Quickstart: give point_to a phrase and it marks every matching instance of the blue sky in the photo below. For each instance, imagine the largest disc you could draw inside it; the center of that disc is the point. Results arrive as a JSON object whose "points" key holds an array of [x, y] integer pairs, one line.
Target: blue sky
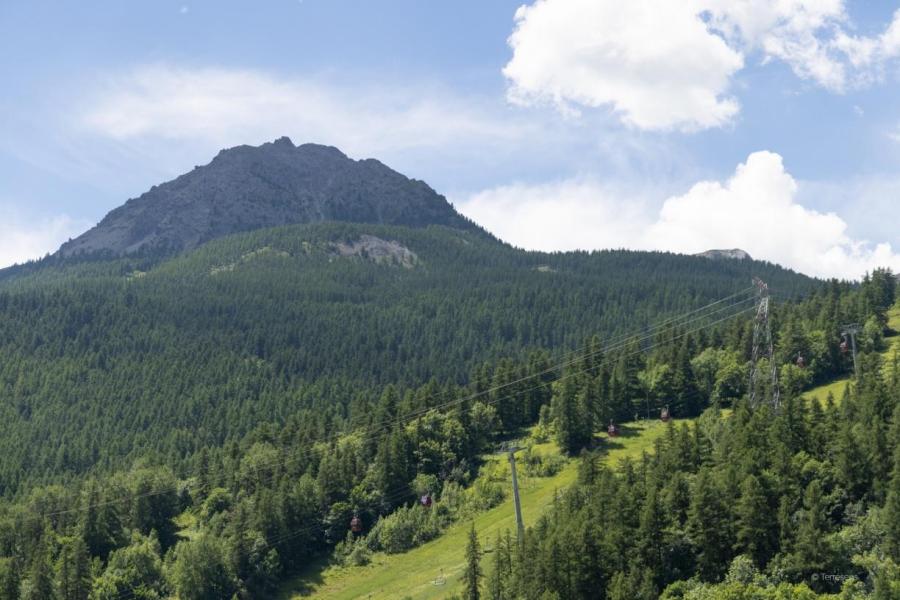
{"points": [[772, 126]]}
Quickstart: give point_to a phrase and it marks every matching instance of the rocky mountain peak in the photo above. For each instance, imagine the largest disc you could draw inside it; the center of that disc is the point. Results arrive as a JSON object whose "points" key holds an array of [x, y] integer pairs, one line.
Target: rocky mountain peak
{"points": [[254, 187]]}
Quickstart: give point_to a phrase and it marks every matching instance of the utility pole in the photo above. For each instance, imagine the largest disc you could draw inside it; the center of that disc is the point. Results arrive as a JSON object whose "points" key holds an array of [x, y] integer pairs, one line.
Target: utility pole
{"points": [[763, 347], [853, 330], [520, 526]]}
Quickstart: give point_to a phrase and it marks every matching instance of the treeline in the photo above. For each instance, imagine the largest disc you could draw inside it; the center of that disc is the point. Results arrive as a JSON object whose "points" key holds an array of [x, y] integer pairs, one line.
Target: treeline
{"points": [[250, 511]]}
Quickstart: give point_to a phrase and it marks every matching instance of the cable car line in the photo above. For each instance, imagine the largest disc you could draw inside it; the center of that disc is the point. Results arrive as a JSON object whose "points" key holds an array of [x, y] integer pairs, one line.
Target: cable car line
{"points": [[624, 342]]}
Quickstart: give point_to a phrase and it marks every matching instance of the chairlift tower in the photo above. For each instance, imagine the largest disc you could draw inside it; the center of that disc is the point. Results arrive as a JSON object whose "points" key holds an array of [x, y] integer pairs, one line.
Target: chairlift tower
{"points": [[852, 330], [763, 347], [520, 525]]}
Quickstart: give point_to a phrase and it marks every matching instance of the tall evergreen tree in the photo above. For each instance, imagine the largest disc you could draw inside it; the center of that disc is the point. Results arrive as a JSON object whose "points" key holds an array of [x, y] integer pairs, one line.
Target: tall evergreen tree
{"points": [[571, 416], [708, 525], [754, 522], [811, 550], [473, 574], [501, 571], [40, 585], [892, 509], [74, 569], [9, 579]]}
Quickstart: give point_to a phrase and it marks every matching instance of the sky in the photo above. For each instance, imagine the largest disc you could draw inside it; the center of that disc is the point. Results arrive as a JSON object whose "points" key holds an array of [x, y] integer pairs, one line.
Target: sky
{"points": [[767, 125]]}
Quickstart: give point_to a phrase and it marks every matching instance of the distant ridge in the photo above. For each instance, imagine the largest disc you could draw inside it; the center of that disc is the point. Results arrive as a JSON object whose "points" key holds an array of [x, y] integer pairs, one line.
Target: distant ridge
{"points": [[254, 187], [733, 254]]}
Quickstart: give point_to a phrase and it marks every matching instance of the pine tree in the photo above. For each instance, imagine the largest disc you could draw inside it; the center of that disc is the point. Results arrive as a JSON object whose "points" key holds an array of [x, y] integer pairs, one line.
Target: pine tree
{"points": [[9, 579], [892, 509], [811, 549], [473, 574], [74, 570], [39, 585], [571, 416], [708, 526], [853, 469], [498, 580], [100, 522], [650, 533], [754, 531]]}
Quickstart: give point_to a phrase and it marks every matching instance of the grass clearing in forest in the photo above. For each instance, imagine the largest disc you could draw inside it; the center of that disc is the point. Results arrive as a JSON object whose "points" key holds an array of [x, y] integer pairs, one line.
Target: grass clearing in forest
{"points": [[414, 573]]}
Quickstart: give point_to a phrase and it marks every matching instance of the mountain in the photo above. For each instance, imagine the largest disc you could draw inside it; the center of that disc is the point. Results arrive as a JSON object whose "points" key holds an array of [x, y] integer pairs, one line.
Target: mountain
{"points": [[280, 279], [246, 188], [733, 254], [212, 420]]}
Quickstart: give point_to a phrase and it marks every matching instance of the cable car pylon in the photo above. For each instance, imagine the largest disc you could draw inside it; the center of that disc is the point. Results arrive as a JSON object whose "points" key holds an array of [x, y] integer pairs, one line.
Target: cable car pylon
{"points": [[520, 524], [763, 347], [851, 330]]}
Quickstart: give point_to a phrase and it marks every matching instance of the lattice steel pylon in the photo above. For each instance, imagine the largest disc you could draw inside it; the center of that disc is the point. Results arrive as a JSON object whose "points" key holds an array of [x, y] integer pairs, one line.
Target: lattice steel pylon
{"points": [[763, 347]]}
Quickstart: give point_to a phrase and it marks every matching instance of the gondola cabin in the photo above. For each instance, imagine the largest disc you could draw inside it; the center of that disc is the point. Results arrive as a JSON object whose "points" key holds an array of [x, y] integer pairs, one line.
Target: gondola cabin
{"points": [[356, 525], [664, 415], [426, 500], [844, 346], [801, 362], [612, 430]]}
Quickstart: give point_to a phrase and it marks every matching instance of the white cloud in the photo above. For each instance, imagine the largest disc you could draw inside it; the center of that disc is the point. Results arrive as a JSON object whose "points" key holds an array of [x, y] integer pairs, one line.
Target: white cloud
{"points": [[756, 209], [798, 32], [24, 239], [556, 216], [871, 54], [894, 134], [669, 65], [231, 106], [655, 63]]}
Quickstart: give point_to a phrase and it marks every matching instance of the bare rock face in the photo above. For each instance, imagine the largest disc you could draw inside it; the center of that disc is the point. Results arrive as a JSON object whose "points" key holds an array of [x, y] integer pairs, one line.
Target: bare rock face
{"points": [[378, 250], [734, 254], [246, 188]]}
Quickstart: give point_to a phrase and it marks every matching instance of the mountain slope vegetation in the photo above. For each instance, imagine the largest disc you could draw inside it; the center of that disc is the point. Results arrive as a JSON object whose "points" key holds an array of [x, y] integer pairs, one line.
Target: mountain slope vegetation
{"points": [[182, 513], [171, 355], [269, 363]]}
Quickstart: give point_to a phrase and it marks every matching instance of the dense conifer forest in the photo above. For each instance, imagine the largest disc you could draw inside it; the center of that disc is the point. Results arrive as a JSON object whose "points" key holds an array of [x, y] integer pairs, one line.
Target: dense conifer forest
{"points": [[206, 425]]}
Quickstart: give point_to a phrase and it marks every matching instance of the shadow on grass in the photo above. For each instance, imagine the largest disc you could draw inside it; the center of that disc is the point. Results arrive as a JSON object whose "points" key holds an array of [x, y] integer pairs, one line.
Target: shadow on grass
{"points": [[305, 581]]}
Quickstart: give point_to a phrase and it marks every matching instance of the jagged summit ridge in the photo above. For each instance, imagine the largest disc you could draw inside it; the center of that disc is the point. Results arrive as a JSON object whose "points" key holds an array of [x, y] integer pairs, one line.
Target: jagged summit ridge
{"points": [[255, 187]]}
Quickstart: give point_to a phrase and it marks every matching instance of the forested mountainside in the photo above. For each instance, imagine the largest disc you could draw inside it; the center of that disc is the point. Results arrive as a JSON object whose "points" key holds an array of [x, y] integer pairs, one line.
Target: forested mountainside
{"points": [[797, 503], [196, 405], [243, 515], [104, 361]]}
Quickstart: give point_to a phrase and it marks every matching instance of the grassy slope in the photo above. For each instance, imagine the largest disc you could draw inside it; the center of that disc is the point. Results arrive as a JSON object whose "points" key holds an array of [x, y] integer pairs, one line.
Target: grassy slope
{"points": [[413, 573]]}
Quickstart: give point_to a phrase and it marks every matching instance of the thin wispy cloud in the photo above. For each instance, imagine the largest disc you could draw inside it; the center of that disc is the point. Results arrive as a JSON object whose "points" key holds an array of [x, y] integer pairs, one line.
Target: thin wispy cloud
{"points": [[233, 106], [23, 238]]}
